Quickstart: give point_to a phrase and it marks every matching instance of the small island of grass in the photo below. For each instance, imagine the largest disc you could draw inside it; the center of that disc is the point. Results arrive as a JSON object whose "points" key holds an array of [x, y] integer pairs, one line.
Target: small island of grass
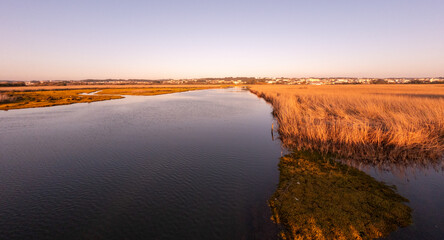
{"points": [[320, 198], [33, 99]]}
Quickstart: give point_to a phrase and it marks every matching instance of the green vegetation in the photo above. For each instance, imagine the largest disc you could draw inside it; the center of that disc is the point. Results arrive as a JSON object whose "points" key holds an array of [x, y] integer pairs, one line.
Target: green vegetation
{"points": [[34, 99], [320, 198]]}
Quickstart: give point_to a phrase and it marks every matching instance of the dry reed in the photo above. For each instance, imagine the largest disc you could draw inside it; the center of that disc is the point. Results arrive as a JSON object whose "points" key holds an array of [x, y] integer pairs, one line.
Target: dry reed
{"points": [[376, 123]]}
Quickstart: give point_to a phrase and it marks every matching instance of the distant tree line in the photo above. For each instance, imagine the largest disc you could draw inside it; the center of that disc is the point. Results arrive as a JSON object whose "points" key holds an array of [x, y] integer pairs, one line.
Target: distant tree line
{"points": [[12, 84]]}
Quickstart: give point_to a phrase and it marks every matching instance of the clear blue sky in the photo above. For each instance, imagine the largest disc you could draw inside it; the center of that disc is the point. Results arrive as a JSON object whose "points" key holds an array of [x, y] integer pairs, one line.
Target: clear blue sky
{"points": [[62, 39]]}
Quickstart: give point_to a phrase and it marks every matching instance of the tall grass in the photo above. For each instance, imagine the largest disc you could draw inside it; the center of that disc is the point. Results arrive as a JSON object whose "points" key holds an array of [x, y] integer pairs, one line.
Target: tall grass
{"points": [[367, 122]]}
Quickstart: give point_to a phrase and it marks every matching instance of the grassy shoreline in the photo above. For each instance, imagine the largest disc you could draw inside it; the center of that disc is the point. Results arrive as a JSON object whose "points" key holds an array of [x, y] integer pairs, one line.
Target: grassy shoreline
{"points": [[35, 99], [32, 98], [103, 86]]}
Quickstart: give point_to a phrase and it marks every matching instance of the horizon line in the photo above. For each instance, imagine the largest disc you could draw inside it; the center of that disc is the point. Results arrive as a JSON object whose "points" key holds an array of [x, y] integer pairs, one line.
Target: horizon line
{"points": [[169, 79]]}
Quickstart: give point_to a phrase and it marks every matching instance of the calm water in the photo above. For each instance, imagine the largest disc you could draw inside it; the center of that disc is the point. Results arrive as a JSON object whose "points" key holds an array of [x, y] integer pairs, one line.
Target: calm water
{"points": [[425, 190], [194, 165]]}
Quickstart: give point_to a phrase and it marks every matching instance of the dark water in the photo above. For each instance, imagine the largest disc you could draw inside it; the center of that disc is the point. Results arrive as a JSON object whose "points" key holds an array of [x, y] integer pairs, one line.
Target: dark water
{"points": [[424, 187], [194, 165]]}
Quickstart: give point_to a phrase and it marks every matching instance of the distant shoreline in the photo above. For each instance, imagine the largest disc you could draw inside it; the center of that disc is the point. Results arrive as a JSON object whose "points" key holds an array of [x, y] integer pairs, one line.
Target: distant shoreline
{"points": [[86, 86], [47, 96]]}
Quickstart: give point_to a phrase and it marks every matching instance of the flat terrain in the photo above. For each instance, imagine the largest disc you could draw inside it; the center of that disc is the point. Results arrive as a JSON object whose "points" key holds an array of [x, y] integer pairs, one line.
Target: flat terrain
{"points": [[34, 88], [46, 96], [372, 123]]}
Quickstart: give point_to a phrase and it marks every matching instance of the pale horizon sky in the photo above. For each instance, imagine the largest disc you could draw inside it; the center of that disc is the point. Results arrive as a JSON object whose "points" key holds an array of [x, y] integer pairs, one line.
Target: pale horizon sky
{"points": [[99, 39]]}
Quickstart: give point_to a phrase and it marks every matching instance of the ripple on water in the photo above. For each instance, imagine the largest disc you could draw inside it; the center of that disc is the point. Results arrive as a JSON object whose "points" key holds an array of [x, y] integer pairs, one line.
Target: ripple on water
{"points": [[195, 165]]}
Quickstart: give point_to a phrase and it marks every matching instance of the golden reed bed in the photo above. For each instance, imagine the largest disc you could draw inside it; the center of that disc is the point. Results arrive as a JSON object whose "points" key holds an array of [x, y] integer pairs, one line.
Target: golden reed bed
{"points": [[374, 123]]}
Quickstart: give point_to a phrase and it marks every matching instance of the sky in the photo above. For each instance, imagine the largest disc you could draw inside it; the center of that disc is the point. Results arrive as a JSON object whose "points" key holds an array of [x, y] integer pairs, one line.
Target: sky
{"points": [[127, 39]]}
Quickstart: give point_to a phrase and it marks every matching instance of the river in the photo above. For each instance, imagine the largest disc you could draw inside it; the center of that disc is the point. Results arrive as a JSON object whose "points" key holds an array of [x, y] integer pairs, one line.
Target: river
{"points": [[191, 165]]}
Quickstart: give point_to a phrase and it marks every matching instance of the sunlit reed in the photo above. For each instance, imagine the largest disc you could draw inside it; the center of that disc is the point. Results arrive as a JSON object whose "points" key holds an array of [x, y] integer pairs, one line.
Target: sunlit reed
{"points": [[374, 123]]}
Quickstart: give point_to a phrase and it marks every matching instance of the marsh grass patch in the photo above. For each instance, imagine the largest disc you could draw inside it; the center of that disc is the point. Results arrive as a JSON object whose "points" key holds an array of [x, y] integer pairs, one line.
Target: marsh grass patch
{"points": [[320, 198], [33, 99]]}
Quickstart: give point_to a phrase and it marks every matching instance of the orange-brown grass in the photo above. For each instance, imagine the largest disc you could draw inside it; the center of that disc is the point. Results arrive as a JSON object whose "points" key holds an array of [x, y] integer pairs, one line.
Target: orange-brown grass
{"points": [[104, 86], [367, 122], [33, 99], [30, 98]]}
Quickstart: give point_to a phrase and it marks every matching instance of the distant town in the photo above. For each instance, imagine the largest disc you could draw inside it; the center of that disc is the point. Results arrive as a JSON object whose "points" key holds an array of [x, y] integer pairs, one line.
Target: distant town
{"points": [[228, 81]]}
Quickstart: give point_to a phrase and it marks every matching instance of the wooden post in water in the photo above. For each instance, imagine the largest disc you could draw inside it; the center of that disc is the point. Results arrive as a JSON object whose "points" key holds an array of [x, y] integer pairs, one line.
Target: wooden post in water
{"points": [[272, 131]]}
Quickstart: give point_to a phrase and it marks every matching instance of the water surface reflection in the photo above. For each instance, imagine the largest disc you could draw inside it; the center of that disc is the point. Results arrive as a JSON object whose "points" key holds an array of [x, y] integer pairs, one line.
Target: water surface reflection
{"points": [[193, 165]]}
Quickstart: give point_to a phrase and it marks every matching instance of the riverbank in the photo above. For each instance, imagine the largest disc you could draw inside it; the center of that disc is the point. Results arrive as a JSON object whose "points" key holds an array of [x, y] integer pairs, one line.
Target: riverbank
{"points": [[32, 97], [375, 124]]}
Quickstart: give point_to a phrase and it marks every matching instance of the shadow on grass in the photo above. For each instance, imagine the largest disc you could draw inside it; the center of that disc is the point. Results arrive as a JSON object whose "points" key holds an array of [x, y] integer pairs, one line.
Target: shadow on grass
{"points": [[320, 198]]}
